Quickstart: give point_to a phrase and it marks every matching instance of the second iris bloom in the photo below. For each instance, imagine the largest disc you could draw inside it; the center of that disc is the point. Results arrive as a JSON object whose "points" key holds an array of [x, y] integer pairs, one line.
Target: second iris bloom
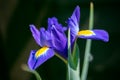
{"points": [[53, 40]]}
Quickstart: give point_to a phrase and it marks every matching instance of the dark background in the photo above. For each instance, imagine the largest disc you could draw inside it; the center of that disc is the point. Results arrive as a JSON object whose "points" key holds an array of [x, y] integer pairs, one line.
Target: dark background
{"points": [[16, 40]]}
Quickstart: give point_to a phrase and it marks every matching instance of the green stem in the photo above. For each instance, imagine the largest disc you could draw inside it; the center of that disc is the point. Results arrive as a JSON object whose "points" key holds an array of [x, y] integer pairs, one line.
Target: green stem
{"points": [[88, 47], [64, 60], [69, 53], [25, 68], [91, 19], [86, 61]]}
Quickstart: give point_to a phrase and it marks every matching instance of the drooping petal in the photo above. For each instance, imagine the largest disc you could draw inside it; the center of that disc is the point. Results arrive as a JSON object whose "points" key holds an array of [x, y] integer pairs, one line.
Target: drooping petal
{"points": [[45, 38], [35, 34], [37, 58], [94, 34], [73, 23]]}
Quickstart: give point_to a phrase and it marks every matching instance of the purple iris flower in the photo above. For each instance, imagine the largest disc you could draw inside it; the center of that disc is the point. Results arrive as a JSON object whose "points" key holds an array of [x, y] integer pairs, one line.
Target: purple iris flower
{"points": [[51, 40], [73, 24], [43, 39]]}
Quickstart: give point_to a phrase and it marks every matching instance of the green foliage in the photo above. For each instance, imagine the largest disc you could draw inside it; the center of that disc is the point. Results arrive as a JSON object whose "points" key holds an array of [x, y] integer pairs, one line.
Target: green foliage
{"points": [[73, 61]]}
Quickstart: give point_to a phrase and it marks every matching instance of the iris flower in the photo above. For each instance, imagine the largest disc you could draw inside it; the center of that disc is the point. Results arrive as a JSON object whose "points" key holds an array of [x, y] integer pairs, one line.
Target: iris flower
{"points": [[51, 40], [73, 24]]}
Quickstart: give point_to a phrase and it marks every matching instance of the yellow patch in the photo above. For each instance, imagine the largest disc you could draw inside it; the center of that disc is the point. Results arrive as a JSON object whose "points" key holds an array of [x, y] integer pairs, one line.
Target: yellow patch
{"points": [[86, 33], [41, 51]]}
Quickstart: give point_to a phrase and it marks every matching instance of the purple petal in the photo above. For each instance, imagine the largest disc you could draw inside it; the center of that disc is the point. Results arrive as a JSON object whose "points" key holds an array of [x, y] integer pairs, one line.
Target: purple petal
{"points": [[34, 62], [73, 23], [45, 38], [76, 15], [94, 34], [54, 21], [59, 42], [65, 28], [35, 34]]}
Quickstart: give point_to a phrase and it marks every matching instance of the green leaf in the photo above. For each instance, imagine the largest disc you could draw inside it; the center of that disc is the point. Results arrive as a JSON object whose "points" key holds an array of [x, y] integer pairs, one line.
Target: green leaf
{"points": [[75, 55], [70, 57], [70, 61], [25, 68], [74, 74], [73, 61]]}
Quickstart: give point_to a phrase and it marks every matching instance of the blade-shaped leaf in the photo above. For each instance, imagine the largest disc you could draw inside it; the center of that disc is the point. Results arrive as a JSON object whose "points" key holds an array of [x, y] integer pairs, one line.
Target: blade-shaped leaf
{"points": [[74, 74], [73, 61], [75, 55], [70, 61]]}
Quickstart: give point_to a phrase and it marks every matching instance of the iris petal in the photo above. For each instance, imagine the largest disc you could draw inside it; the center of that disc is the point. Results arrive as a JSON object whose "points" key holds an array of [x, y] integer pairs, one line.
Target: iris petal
{"points": [[45, 38], [94, 34], [73, 23], [59, 40], [76, 16], [54, 21], [42, 56], [35, 34]]}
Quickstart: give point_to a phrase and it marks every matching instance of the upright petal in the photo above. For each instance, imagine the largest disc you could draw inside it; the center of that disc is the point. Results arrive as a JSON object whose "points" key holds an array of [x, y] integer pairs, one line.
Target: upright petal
{"points": [[59, 40], [37, 58], [45, 38], [73, 22], [54, 21], [35, 34], [94, 34], [76, 16]]}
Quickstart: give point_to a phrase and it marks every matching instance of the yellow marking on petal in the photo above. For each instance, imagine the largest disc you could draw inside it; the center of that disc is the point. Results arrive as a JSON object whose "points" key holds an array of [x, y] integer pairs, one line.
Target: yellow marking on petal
{"points": [[41, 51], [86, 33]]}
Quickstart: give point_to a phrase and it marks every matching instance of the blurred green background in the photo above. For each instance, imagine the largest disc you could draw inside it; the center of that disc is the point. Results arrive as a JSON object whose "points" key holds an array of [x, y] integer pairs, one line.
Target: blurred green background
{"points": [[16, 40]]}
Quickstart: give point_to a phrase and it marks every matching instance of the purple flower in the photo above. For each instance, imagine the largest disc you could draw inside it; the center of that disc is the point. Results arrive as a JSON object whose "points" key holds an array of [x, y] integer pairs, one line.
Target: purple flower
{"points": [[43, 39], [73, 24], [51, 40]]}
